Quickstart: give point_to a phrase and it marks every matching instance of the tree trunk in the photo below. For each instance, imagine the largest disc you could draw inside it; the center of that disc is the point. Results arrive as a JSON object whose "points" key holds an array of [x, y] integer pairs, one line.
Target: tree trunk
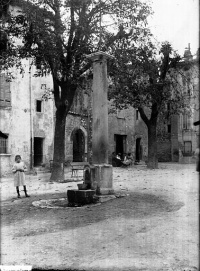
{"points": [[63, 96], [59, 145], [152, 145], [152, 135]]}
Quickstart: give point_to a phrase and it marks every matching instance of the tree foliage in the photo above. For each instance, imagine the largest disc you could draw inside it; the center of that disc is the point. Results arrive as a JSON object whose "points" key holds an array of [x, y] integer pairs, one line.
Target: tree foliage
{"points": [[150, 78], [57, 34], [146, 77]]}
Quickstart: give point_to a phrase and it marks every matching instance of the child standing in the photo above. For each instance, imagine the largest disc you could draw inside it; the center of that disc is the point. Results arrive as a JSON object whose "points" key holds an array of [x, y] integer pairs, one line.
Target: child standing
{"points": [[19, 176]]}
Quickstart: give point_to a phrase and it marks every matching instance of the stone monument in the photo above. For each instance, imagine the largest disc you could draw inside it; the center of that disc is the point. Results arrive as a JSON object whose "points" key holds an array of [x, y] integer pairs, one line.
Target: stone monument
{"points": [[101, 171]]}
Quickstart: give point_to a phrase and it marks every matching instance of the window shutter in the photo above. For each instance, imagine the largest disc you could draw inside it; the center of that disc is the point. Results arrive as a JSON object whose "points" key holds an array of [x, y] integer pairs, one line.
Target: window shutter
{"points": [[5, 94], [1, 89]]}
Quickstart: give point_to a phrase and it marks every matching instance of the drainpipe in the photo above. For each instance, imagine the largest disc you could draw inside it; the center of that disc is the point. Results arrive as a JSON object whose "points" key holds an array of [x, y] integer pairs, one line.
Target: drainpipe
{"points": [[31, 118]]}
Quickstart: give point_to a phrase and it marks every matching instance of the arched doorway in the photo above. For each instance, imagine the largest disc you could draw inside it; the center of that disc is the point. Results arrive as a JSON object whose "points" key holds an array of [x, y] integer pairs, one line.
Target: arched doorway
{"points": [[78, 146]]}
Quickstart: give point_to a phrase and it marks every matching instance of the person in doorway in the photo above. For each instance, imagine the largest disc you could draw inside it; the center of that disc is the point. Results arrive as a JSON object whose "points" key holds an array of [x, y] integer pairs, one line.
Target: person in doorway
{"points": [[116, 160], [128, 160], [118, 156], [19, 176]]}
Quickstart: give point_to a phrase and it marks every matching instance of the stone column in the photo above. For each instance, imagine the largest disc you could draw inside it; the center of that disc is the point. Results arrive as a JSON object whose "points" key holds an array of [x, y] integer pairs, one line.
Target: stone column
{"points": [[101, 172]]}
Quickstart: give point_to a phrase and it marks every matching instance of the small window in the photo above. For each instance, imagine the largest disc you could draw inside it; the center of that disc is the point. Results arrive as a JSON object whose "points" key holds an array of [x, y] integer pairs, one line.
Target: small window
{"points": [[43, 86], [187, 147], [38, 106], [120, 114], [5, 94], [186, 121], [3, 145], [169, 128]]}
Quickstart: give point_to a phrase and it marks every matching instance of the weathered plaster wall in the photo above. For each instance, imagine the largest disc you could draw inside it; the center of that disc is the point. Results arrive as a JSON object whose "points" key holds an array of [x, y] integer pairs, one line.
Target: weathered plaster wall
{"points": [[5, 127], [141, 132], [122, 123], [43, 122], [16, 120]]}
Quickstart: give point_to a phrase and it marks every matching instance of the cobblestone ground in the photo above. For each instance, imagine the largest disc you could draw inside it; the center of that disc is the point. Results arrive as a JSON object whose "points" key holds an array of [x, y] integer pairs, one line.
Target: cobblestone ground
{"points": [[154, 226]]}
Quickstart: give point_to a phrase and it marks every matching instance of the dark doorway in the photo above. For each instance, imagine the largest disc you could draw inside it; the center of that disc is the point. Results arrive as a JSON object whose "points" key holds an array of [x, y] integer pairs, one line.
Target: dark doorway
{"points": [[120, 141], [38, 151], [138, 153], [78, 146]]}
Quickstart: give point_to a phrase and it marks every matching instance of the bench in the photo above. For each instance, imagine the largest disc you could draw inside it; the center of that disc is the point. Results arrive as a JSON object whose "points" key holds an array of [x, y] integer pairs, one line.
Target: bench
{"points": [[76, 166]]}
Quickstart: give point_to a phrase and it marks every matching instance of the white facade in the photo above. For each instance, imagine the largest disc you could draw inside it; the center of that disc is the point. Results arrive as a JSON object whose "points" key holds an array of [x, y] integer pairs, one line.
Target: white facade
{"points": [[28, 120]]}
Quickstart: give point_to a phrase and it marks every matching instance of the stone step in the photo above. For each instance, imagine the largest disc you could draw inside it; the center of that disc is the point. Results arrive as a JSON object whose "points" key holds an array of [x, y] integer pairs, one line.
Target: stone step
{"points": [[187, 160], [141, 163], [41, 169]]}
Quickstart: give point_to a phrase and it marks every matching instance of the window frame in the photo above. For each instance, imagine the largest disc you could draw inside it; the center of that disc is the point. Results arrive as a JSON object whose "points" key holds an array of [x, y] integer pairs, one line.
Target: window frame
{"points": [[186, 122], [36, 106], [5, 91], [2, 140], [189, 151]]}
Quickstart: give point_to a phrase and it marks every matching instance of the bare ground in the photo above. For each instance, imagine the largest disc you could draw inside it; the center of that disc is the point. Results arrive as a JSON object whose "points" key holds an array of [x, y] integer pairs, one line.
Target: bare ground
{"points": [[154, 226]]}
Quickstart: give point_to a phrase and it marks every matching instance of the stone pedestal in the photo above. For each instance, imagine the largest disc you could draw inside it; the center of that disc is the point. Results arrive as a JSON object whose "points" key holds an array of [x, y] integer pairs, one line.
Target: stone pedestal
{"points": [[102, 179], [81, 197], [101, 173]]}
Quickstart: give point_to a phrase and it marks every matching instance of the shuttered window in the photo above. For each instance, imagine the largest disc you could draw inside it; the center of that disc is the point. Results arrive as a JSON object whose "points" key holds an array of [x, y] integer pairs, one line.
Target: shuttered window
{"points": [[3, 145], [186, 121], [5, 94], [187, 147]]}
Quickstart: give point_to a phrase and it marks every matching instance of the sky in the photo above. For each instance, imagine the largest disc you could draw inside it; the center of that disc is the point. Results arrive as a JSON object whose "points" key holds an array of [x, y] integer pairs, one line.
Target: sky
{"points": [[176, 21]]}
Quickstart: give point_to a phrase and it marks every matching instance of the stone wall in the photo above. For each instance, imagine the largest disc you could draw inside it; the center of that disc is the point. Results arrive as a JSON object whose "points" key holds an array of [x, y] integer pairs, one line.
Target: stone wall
{"points": [[80, 117], [122, 123]]}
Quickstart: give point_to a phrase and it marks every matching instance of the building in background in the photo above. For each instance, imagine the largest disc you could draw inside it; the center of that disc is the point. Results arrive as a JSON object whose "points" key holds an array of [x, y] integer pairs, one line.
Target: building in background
{"points": [[178, 138], [78, 139], [27, 122], [26, 119]]}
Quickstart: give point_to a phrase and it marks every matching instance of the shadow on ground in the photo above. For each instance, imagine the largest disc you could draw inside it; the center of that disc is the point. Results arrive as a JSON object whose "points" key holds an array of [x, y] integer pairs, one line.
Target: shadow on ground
{"points": [[135, 205]]}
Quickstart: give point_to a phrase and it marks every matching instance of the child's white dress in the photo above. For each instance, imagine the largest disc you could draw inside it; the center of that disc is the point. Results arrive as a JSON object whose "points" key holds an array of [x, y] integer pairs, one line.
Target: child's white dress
{"points": [[19, 176]]}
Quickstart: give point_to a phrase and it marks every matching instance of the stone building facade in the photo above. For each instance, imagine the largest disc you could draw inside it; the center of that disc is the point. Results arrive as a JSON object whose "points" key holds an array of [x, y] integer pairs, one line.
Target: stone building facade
{"points": [[121, 129], [178, 138], [26, 119], [28, 122]]}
